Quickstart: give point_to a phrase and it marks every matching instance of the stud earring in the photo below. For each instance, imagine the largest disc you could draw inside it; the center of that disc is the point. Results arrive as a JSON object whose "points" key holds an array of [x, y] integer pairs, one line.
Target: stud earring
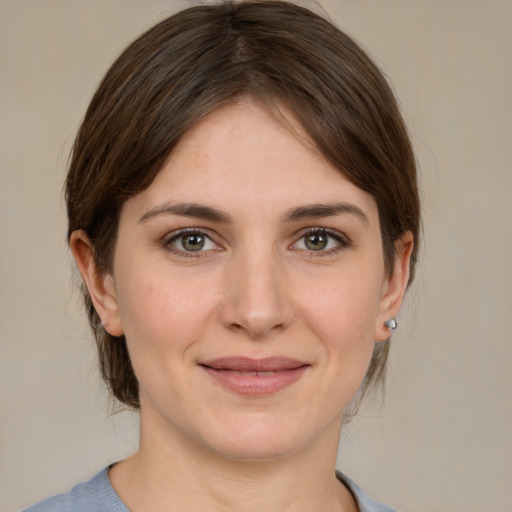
{"points": [[105, 323], [391, 324]]}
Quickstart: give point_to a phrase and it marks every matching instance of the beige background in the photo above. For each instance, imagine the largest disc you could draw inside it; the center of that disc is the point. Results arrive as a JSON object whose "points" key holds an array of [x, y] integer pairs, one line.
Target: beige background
{"points": [[442, 442]]}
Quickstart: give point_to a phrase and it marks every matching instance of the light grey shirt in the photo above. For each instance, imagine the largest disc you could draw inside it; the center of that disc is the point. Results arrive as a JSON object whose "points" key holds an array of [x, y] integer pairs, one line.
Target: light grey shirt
{"points": [[98, 495]]}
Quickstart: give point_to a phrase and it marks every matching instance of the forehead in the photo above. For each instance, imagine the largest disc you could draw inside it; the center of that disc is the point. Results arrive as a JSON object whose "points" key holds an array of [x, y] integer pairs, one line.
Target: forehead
{"points": [[244, 156]]}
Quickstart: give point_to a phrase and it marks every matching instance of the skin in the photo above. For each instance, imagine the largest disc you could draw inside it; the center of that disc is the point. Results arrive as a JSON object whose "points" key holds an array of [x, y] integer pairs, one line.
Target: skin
{"points": [[255, 289]]}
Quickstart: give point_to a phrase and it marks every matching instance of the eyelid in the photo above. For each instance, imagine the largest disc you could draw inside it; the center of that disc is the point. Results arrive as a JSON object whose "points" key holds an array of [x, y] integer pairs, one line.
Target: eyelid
{"points": [[173, 235], [342, 240]]}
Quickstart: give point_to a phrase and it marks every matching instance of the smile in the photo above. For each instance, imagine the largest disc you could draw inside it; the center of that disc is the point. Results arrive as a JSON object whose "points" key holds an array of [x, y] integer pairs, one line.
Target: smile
{"points": [[255, 377]]}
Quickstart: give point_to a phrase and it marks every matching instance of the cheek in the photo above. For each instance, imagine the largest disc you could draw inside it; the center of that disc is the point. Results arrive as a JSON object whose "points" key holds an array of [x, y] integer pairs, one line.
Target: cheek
{"points": [[161, 325], [163, 312], [342, 315], [345, 304]]}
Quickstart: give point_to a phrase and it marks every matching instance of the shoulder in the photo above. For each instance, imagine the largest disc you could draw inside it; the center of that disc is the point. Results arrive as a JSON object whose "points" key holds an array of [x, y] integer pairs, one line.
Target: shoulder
{"points": [[95, 494], [364, 502]]}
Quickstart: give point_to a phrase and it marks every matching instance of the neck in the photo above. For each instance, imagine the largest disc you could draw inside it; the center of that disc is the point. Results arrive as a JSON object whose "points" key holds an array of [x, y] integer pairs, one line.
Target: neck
{"points": [[170, 472]]}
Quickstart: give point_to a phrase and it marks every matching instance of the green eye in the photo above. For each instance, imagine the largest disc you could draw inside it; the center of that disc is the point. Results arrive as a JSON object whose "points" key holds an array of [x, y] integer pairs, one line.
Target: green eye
{"points": [[321, 240], [192, 242], [316, 241]]}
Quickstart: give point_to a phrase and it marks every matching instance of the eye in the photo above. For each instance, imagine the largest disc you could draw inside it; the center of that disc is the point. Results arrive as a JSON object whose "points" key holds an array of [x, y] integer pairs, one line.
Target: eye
{"points": [[321, 240], [190, 241]]}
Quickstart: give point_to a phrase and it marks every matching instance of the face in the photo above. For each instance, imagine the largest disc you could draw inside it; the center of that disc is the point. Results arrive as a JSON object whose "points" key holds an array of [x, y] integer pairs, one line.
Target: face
{"points": [[249, 282]]}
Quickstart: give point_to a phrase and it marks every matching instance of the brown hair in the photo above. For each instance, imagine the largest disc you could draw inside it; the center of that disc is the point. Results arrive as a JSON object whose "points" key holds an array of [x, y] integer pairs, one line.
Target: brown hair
{"points": [[190, 64]]}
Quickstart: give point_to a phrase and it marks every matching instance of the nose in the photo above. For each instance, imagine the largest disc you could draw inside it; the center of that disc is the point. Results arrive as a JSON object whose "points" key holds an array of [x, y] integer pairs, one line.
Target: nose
{"points": [[255, 296]]}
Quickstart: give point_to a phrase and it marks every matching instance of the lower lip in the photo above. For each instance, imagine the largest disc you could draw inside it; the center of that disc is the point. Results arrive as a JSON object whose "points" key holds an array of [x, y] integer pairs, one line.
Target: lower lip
{"points": [[247, 384]]}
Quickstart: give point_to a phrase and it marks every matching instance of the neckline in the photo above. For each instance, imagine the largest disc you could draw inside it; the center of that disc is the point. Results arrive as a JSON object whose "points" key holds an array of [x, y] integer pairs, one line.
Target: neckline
{"points": [[114, 500]]}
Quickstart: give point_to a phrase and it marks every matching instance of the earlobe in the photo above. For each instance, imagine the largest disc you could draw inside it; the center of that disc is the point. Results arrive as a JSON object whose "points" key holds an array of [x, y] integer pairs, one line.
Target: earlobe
{"points": [[394, 288], [99, 284]]}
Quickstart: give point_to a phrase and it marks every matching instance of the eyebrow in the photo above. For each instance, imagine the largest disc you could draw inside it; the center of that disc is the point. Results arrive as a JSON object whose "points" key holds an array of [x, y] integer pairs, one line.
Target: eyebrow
{"points": [[193, 210], [199, 211], [313, 211]]}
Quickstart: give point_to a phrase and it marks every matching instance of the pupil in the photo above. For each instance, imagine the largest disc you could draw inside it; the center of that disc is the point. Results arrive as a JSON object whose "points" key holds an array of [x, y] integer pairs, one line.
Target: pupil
{"points": [[316, 242], [193, 242]]}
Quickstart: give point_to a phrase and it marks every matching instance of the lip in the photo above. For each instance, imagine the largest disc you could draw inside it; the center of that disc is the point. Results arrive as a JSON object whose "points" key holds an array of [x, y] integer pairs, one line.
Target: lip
{"points": [[248, 376]]}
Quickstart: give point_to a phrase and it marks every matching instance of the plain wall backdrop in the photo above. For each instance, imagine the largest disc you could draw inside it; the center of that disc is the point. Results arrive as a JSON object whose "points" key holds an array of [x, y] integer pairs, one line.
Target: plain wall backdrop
{"points": [[442, 441]]}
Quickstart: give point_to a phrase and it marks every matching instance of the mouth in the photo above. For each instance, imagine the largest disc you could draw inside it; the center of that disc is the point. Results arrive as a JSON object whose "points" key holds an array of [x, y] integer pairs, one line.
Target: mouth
{"points": [[255, 377]]}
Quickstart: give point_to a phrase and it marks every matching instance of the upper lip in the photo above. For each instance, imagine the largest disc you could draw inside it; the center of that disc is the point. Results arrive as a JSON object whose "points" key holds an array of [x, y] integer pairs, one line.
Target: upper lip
{"points": [[248, 364]]}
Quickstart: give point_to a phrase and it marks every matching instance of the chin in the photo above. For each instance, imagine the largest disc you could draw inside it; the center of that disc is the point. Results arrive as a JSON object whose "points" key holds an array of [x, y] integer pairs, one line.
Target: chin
{"points": [[255, 450], [257, 439]]}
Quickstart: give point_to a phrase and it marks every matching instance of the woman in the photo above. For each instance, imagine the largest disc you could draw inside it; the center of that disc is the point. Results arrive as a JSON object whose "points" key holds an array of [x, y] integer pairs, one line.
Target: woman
{"points": [[243, 210]]}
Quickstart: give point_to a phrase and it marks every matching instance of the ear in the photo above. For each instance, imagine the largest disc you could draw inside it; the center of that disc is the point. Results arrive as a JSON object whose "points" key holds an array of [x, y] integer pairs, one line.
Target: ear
{"points": [[100, 284], [394, 286]]}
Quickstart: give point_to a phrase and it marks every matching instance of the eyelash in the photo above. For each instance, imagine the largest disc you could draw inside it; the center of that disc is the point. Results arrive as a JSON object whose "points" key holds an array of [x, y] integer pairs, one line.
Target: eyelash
{"points": [[175, 236], [342, 242]]}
